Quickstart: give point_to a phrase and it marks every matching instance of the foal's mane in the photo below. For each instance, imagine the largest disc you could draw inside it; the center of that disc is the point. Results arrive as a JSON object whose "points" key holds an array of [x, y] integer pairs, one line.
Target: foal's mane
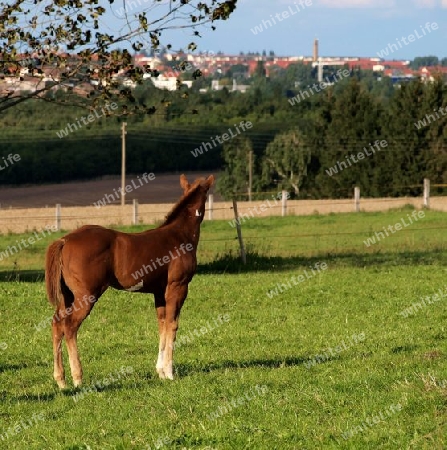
{"points": [[178, 208]]}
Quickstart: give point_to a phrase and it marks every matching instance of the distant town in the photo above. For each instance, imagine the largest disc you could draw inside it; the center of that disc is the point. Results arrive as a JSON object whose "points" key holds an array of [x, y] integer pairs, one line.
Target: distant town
{"points": [[166, 67], [213, 64]]}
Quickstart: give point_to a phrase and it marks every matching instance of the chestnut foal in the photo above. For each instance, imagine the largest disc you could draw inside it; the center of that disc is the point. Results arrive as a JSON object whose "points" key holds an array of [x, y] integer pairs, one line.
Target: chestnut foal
{"points": [[80, 266]]}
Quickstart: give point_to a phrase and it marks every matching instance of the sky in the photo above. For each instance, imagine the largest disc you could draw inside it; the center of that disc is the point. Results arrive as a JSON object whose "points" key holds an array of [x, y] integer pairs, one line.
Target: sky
{"points": [[343, 27]]}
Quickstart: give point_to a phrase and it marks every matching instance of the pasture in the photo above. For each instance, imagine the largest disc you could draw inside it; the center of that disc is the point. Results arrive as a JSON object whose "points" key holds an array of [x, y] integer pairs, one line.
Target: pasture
{"points": [[327, 343]]}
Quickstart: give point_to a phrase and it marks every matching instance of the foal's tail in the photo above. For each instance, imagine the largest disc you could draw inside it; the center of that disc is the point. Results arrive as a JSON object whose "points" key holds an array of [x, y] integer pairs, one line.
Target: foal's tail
{"points": [[53, 272]]}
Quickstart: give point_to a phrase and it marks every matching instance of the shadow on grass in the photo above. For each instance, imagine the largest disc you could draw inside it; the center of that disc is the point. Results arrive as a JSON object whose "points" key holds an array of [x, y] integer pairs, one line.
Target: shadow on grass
{"points": [[231, 263], [184, 370], [78, 393], [13, 367], [47, 397], [31, 276], [87, 389]]}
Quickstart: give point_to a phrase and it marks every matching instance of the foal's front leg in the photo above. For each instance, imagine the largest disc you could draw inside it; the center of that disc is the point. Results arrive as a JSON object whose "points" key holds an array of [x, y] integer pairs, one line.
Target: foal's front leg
{"points": [[160, 305], [161, 311], [175, 296]]}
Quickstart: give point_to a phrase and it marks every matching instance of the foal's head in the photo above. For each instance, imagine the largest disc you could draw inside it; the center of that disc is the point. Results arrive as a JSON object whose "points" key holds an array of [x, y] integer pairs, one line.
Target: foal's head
{"points": [[198, 190], [192, 203]]}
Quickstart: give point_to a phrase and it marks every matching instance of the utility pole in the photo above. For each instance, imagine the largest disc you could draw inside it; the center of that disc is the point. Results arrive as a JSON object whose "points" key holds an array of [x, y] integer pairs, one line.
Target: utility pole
{"points": [[239, 232], [123, 162], [250, 174]]}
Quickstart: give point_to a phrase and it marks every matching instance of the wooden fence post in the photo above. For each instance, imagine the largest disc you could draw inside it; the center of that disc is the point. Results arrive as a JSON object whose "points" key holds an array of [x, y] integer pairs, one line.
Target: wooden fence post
{"points": [[239, 233], [58, 217], [357, 199], [135, 212], [284, 204], [210, 206], [426, 193]]}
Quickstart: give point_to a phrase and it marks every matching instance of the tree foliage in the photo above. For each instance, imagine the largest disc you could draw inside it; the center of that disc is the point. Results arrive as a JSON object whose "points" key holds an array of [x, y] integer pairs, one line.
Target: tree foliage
{"points": [[424, 61], [233, 182], [329, 128], [349, 136], [287, 157], [67, 43], [350, 122]]}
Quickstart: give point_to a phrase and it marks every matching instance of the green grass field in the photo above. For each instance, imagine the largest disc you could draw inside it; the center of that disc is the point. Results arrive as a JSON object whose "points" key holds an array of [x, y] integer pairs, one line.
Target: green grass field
{"points": [[350, 357]]}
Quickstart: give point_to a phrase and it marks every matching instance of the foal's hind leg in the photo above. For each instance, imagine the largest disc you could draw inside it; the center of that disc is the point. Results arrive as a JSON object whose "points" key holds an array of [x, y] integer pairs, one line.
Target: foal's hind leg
{"points": [[58, 335], [78, 312], [58, 328]]}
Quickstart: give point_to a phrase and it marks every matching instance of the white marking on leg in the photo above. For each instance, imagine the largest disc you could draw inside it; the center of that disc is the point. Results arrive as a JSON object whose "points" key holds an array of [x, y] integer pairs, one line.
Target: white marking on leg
{"points": [[161, 354], [168, 371], [136, 287], [168, 367]]}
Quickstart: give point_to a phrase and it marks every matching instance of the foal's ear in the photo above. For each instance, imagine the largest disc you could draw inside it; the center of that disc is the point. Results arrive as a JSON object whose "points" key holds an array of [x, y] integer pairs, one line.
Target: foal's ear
{"points": [[210, 181], [184, 183]]}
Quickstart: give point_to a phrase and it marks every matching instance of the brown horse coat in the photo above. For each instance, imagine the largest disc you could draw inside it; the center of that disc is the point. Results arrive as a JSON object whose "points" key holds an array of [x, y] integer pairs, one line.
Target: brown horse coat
{"points": [[80, 266]]}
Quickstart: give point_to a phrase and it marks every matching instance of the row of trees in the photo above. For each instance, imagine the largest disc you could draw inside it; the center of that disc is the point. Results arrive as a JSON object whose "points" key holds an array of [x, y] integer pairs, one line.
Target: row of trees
{"points": [[305, 148], [351, 138], [317, 147], [427, 61]]}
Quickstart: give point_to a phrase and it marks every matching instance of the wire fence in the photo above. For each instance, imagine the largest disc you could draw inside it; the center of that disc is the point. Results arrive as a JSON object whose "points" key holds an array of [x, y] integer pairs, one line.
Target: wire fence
{"points": [[70, 217], [325, 239]]}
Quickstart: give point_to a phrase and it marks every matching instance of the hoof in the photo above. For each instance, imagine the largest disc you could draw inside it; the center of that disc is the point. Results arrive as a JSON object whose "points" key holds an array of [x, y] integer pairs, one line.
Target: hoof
{"points": [[161, 374], [77, 383], [61, 384]]}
